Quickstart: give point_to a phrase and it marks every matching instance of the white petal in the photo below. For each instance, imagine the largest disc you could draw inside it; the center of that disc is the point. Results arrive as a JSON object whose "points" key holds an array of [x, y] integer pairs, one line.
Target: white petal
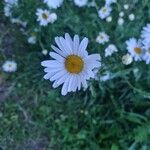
{"points": [[64, 90], [57, 50], [76, 43], [83, 45], [57, 57], [58, 75], [51, 64]]}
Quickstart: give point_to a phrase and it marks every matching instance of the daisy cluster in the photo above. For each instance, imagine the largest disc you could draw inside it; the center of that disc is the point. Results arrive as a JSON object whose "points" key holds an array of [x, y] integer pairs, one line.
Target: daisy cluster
{"points": [[71, 65]]}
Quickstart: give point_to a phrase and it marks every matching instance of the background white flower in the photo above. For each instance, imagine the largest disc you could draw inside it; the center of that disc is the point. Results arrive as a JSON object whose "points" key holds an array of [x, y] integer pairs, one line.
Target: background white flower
{"points": [[32, 39], [146, 55], [104, 12], [102, 38], [9, 66], [72, 66], [109, 2], [80, 3], [45, 17], [110, 50], [134, 47], [127, 59], [146, 34], [53, 3]]}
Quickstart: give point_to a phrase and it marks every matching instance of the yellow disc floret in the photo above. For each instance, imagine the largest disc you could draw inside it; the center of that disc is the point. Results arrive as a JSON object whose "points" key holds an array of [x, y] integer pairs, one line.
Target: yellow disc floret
{"points": [[74, 64]]}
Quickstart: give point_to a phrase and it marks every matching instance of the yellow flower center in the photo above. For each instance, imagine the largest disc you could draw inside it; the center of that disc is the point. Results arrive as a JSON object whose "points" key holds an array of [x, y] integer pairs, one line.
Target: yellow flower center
{"points": [[138, 50], [9, 65], [45, 16], [104, 9], [74, 64]]}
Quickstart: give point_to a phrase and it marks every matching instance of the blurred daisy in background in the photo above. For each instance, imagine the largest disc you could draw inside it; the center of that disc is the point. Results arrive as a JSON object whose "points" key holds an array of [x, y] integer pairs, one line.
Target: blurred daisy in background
{"points": [[45, 17], [32, 39], [53, 3], [146, 56], [127, 59], [146, 34], [104, 12], [102, 38], [72, 66], [9, 66], [134, 47], [110, 50], [109, 2], [81, 3]]}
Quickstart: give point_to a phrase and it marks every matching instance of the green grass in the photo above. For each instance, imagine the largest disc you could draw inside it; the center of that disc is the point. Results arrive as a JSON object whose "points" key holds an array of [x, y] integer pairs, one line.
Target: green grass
{"points": [[112, 115]]}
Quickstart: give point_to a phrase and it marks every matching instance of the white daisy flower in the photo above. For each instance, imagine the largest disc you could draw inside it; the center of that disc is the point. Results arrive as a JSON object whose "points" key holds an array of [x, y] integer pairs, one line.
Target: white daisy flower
{"points": [[72, 66], [127, 59], [104, 12], [9, 66], [134, 47], [120, 21], [131, 17], [110, 50], [102, 38], [109, 2], [146, 56], [32, 39], [146, 33], [53, 3], [80, 3], [45, 17]]}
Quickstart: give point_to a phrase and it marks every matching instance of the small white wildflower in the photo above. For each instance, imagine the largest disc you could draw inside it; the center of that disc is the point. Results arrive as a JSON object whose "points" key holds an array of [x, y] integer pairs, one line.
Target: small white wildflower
{"points": [[32, 39], [9, 66], [102, 38], [104, 12], [109, 2], [80, 3], [110, 50], [131, 17], [45, 17], [127, 59], [44, 51], [126, 6], [53, 3], [109, 19], [120, 21], [121, 14]]}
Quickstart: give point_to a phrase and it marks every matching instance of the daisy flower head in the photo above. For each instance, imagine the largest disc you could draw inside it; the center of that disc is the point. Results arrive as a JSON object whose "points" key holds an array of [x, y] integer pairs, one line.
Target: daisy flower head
{"points": [[102, 38], [45, 17], [134, 47], [127, 59], [81, 3], [71, 64], [109, 2], [109, 19], [146, 33], [104, 12], [110, 50], [9, 66], [53, 3], [7, 10], [146, 56]]}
